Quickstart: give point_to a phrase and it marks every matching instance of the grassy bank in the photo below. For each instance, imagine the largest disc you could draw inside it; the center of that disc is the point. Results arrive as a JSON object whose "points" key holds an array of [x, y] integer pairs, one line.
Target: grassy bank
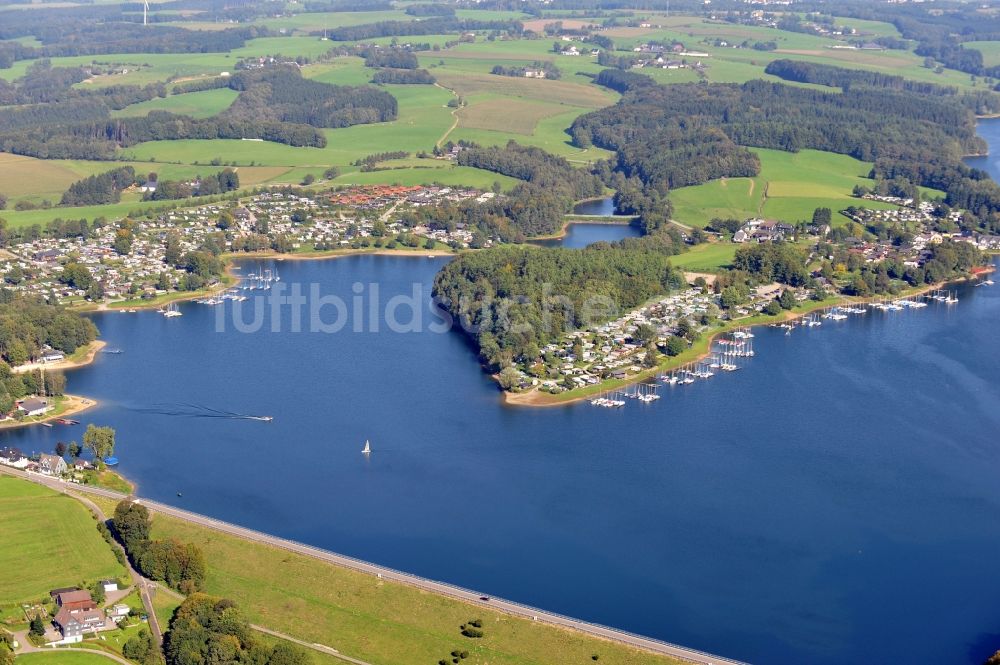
{"points": [[51, 541], [372, 619]]}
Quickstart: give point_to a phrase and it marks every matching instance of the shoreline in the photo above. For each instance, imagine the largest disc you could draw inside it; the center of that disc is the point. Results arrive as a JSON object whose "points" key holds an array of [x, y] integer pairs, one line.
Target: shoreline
{"points": [[231, 277], [564, 229], [73, 404], [65, 364], [535, 398]]}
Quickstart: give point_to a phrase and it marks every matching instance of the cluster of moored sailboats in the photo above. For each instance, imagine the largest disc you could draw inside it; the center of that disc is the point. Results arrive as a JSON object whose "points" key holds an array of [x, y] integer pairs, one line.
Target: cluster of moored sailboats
{"points": [[262, 279], [725, 352], [841, 312], [739, 344]]}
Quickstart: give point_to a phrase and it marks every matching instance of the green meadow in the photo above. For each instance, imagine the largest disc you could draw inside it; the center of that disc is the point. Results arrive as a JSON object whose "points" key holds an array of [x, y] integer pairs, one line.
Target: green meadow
{"points": [[376, 620], [706, 257], [51, 541], [790, 187], [203, 104]]}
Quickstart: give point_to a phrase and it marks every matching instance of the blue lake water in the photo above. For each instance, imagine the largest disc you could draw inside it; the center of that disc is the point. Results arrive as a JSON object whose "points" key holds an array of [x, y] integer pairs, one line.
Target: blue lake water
{"points": [[605, 207], [579, 235], [989, 129], [836, 501]]}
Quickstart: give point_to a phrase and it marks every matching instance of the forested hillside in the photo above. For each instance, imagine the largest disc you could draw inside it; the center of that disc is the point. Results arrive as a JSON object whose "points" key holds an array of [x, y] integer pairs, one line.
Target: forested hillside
{"points": [[514, 300], [275, 104]]}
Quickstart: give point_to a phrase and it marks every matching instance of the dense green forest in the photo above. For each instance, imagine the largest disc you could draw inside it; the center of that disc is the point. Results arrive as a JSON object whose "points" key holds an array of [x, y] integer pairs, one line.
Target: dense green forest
{"points": [[981, 102], [551, 185], [668, 136], [390, 57], [181, 566], [275, 104], [514, 300], [281, 94], [207, 629], [27, 324], [97, 189], [403, 76]]}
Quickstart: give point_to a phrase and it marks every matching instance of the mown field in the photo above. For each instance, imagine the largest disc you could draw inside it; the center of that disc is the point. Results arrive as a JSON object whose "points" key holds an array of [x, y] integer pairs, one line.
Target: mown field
{"points": [[707, 257], [375, 620], [790, 187], [50, 541], [203, 104]]}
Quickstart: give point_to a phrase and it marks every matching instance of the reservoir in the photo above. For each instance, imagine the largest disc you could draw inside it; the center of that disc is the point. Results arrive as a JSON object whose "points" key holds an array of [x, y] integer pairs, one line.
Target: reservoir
{"points": [[836, 501], [989, 129], [604, 207], [582, 234]]}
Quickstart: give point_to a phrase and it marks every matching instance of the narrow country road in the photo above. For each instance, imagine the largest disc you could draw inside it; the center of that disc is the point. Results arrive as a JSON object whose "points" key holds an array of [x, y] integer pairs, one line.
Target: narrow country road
{"points": [[138, 581], [443, 588]]}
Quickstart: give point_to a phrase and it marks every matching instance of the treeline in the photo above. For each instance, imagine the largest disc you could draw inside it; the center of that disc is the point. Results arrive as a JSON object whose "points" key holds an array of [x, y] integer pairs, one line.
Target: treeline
{"points": [[281, 94], [403, 77], [45, 95], [513, 301], [99, 30], [390, 57], [551, 185], [669, 136], [374, 158], [430, 9], [275, 104], [979, 102], [226, 180], [865, 123], [547, 68], [207, 629], [181, 566], [430, 26], [97, 189], [27, 324], [101, 140], [622, 81]]}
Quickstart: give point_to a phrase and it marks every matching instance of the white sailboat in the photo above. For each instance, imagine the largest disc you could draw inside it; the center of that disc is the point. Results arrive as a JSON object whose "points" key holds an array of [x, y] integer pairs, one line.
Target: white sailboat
{"points": [[367, 450]]}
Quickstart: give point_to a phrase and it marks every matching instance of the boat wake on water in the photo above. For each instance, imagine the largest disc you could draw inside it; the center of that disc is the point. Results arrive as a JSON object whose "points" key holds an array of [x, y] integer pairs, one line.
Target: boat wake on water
{"points": [[187, 410]]}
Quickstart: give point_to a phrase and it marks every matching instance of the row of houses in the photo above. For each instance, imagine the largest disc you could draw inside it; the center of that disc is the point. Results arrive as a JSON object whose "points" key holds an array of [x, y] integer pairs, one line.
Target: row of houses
{"points": [[45, 464]]}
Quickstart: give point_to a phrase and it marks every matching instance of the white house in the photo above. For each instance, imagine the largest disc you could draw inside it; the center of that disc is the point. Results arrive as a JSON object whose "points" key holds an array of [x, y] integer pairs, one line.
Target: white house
{"points": [[34, 406], [52, 465]]}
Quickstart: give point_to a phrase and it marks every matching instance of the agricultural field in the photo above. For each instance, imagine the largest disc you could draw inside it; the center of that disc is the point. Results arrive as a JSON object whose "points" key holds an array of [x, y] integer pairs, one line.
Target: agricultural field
{"points": [[498, 109], [37, 180], [372, 619], [51, 541], [790, 186], [706, 257], [203, 104], [736, 65], [990, 51]]}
